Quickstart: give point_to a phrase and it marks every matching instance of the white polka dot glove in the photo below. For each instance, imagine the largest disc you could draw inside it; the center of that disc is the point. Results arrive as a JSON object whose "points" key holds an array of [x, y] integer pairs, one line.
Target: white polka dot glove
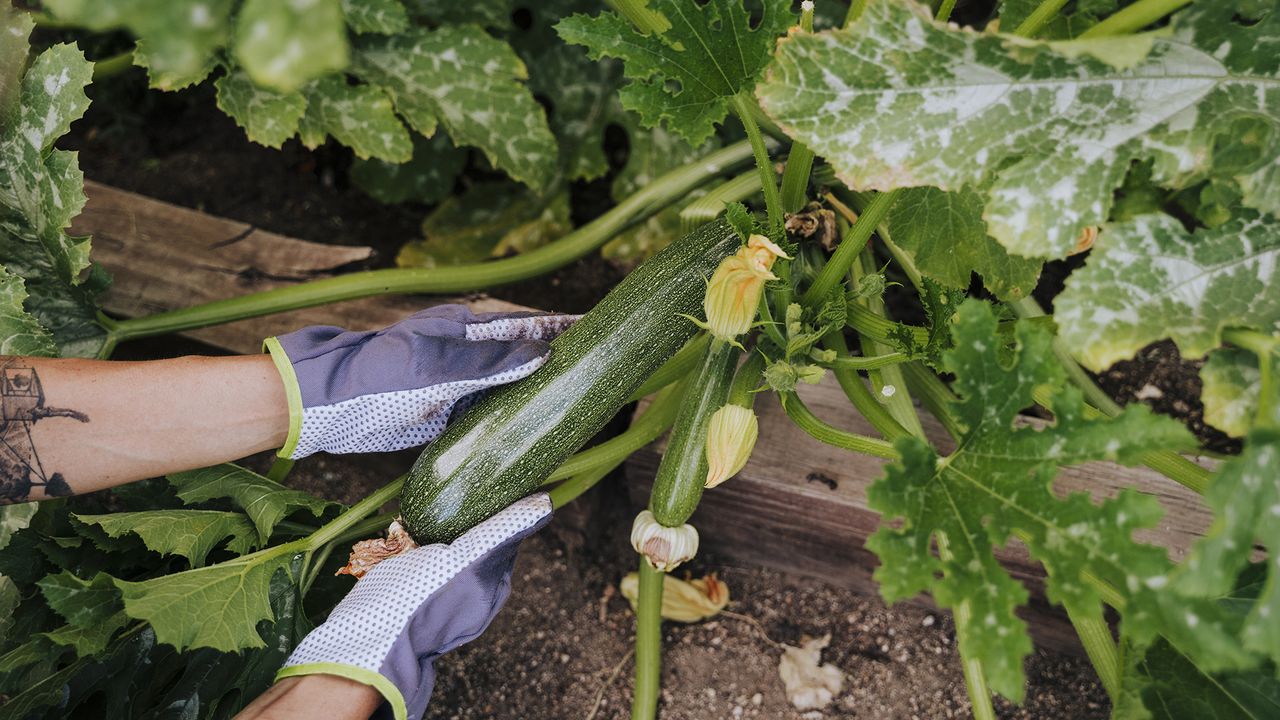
{"points": [[394, 388], [410, 609]]}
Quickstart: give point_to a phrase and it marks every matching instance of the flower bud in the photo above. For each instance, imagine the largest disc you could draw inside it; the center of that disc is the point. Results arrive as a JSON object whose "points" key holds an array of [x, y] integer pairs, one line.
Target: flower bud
{"points": [[733, 294], [664, 547], [731, 436], [685, 601]]}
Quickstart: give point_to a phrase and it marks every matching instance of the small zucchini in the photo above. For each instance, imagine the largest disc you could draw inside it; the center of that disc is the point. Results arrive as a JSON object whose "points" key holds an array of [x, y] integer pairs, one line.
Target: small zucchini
{"points": [[502, 448]]}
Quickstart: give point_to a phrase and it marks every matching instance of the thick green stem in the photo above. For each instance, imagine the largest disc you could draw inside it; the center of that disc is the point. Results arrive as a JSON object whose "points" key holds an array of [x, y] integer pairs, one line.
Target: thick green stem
{"points": [[746, 381], [850, 246], [113, 65], [646, 19], [353, 515], [708, 207], [1035, 22], [644, 705], [975, 677], [1101, 648], [569, 490], [1134, 18], [656, 419], [667, 189], [808, 422], [769, 325], [856, 362], [742, 104], [944, 10], [795, 176], [856, 390], [855, 11], [1265, 348], [888, 381], [934, 395], [280, 468]]}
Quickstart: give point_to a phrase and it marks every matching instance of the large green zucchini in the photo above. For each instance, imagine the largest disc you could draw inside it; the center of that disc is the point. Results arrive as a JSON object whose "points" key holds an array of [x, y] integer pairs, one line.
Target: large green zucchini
{"points": [[504, 447]]}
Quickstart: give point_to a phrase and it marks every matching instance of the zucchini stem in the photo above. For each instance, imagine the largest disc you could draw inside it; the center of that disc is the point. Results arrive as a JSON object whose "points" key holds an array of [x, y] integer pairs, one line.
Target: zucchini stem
{"points": [[644, 705], [742, 104], [807, 421]]}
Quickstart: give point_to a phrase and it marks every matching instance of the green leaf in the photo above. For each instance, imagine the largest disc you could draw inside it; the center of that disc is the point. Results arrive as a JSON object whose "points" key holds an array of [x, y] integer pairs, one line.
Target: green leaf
{"points": [[177, 39], [91, 608], [268, 117], [1162, 683], [358, 116], [944, 233], [10, 598], [490, 220], [902, 101], [685, 77], [375, 16], [41, 190], [15, 27], [285, 45], [469, 81], [1149, 279], [427, 178], [1232, 384], [265, 502], [1245, 499], [997, 485], [14, 518], [189, 533], [20, 333]]}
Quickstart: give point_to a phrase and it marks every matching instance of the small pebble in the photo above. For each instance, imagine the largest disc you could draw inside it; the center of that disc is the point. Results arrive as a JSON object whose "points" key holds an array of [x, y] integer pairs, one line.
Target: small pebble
{"points": [[927, 621], [757, 699]]}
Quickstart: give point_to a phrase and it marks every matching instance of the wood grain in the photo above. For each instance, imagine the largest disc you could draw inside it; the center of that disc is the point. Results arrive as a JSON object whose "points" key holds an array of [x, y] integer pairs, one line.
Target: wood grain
{"points": [[164, 257], [801, 506]]}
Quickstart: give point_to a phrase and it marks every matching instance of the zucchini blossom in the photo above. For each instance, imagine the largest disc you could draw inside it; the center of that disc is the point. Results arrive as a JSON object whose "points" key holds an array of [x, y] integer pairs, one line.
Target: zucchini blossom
{"points": [[664, 547], [731, 436], [733, 294]]}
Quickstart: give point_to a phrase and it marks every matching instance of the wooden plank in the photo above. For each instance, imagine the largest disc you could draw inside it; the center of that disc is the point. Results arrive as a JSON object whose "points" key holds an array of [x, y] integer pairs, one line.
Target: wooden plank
{"points": [[801, 506], [164, 257]]}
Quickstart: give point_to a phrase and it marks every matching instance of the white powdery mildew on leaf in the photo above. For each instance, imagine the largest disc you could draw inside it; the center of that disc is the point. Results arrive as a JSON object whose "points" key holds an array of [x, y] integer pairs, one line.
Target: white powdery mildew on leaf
{"points": [[358, 116], [20, 333], [470, 82], [901, 101], [375, 16], [1232, 383], [284, 44], [1148, 279], [268, 117]]}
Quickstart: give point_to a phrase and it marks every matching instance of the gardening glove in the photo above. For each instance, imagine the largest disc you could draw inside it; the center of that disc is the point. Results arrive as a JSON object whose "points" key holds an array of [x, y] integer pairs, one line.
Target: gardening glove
{"points": [[411, 608], [394, 388]]}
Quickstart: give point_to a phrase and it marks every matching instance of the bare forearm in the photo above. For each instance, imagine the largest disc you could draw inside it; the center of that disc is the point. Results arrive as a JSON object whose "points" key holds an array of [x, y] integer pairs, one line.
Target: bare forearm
{"points": [[75, 426], [313, 696]]}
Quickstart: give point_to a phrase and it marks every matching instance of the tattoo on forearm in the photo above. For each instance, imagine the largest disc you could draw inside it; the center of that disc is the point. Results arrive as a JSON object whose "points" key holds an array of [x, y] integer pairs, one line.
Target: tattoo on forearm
{"points": [[21, 407]]}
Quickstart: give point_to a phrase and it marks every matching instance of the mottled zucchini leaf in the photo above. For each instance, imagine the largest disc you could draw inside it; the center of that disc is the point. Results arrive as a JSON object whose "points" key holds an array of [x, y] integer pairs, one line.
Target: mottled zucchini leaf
{"points": [[285, 45], [91, 608], [188, 533], [1160, 682], [178, 40], [997, 485], [265, 501], [41, 190], [385, 17], [468, 81], [489, 220], [1049, 129], [1149, 279], [358, 116], [268, 117], [1231, 385], [685, 77], [944, 233], [428, 177]]}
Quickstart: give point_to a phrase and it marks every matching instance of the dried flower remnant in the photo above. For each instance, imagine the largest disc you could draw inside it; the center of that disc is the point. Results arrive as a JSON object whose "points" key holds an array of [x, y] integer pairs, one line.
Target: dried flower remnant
{"points": [[810, 685], [367, 553], [686, 601], [813, 223], [1085, 240]]}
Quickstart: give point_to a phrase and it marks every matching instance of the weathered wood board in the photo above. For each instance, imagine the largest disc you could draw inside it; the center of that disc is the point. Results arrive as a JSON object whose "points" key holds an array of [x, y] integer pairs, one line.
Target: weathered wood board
{"points": [[801, 506], [164, 257]]}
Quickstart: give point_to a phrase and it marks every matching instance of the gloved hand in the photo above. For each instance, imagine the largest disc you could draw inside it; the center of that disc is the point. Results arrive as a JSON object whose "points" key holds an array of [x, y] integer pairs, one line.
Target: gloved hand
{"points": [[394, 388], [410, 609]]}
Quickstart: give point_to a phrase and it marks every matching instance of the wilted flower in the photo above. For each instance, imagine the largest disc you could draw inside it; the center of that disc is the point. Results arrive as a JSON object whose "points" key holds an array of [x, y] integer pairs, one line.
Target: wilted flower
{"points": [[733, 294], [367, 553], [1085, 240], [684, 601], [731, 436], [665, 547]]}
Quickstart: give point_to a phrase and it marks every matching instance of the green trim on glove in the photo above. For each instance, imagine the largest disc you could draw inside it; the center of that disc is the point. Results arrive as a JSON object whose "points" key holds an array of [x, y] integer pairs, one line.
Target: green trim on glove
{"points": [[350, 672], [291, 391]]}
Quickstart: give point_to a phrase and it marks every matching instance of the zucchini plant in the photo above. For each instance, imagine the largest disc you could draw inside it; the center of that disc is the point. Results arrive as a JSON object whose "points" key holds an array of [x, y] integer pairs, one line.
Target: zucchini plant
{"points": [[953, 160]]}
